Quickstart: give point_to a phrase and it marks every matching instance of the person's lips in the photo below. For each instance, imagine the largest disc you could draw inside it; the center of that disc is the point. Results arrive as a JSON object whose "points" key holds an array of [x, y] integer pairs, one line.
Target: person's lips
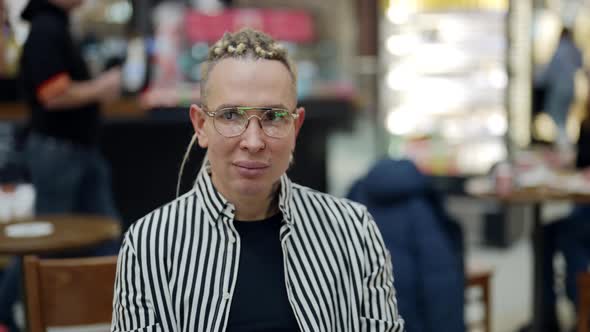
{"points": [[250, 168]]}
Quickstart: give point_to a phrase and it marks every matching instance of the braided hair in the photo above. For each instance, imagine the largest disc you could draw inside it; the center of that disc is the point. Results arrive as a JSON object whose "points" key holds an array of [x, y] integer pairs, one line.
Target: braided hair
{"points": [[245, 44]]}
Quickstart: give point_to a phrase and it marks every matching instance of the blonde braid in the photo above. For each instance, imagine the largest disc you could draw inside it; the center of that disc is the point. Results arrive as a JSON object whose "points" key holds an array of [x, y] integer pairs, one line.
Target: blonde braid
{"points": [[244, 44]]}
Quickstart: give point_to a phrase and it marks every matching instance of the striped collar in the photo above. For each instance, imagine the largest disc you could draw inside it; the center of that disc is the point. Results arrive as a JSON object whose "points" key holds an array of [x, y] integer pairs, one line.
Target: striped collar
{"points": [[216, 205]]}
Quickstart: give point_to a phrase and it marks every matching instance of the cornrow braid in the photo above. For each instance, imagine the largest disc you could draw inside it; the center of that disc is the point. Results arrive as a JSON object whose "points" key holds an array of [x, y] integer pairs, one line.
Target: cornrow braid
{"points": [[246, 43]]}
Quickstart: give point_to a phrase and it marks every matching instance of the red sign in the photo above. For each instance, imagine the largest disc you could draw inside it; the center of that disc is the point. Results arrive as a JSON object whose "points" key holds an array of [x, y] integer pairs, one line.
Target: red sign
{"points": [[282, 24]]}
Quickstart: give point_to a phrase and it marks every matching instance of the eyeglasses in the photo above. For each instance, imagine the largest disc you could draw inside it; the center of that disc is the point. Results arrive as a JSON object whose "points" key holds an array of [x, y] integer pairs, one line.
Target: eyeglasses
{"points": [[233, 121]]}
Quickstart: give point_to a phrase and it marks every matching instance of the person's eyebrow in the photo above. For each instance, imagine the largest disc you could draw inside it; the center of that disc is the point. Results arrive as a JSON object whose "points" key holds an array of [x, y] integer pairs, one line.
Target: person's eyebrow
{"points": [[222, 106]]}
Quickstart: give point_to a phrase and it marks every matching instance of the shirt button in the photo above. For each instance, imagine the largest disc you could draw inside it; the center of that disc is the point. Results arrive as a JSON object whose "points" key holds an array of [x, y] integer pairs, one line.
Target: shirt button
{"points": [[226, 296], [232, 239]]}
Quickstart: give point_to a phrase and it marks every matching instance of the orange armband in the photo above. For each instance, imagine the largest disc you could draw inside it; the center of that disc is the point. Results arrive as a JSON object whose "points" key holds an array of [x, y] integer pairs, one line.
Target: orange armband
{"points": [[53, 87]]}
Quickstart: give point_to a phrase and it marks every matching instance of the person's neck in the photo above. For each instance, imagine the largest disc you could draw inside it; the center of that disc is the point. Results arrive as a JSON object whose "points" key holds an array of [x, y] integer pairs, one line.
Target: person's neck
{"points": [[249, 209], [255, 207]]}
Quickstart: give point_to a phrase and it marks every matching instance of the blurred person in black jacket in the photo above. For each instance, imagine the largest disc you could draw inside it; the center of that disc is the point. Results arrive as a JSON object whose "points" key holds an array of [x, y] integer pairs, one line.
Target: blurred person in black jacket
{"points": [[426, 244]]}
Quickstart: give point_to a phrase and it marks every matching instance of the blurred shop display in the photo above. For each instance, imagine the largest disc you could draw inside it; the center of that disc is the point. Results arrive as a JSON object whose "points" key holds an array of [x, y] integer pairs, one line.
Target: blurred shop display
{"points": [[160, 45], [9, 54], [136, 68], [104, 28], [182, 36], [109, 39], [9, 49], [444, 83], [104, 18]]}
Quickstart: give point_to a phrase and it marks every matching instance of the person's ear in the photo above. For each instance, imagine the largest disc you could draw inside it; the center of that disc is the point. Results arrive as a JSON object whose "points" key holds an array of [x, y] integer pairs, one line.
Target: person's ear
{"points": [[300, 111], [198, 118]]}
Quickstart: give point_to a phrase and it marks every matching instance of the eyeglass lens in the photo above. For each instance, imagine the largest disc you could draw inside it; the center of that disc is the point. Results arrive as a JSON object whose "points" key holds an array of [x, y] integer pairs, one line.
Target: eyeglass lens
{"points": [[232, 122]]}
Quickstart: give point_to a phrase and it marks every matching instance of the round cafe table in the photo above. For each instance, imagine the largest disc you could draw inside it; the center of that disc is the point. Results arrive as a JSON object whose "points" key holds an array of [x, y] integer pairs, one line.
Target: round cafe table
{"points": [[534, 197], [70, 232]]}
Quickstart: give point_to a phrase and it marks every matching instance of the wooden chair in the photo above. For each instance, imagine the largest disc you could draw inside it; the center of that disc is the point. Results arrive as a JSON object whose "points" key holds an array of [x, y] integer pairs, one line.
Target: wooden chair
{"points": [[584, 302], [481, 279], [4, 260], [68, 292]]}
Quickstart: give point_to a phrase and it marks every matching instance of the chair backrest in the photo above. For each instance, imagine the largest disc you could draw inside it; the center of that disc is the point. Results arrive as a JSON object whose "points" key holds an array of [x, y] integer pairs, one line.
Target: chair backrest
{"points": [[479, 278], [68, 292], [584, 302]]}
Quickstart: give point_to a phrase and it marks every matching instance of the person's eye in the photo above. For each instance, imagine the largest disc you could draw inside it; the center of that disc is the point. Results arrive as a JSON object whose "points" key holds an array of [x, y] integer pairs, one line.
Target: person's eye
{"points": [[231, 114], [276, 115]]}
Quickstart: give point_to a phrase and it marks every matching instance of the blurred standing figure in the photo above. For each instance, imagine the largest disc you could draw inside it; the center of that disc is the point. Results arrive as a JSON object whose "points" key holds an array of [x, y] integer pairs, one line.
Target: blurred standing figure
{"points": [[67, 170], [246, 249], [570, 236], [558, 78]]}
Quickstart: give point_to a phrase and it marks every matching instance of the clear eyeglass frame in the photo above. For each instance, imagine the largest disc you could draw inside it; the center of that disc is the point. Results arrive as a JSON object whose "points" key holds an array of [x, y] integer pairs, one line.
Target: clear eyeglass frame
{"points": [[274, 129]]}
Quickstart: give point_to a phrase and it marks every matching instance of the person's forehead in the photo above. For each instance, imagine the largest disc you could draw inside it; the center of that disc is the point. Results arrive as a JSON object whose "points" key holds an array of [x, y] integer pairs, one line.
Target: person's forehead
{"points": [[250, 82]]}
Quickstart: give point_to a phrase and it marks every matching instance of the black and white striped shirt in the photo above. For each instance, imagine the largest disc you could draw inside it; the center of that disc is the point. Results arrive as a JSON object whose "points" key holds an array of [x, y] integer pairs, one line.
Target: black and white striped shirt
{"points": [[178, 265]]}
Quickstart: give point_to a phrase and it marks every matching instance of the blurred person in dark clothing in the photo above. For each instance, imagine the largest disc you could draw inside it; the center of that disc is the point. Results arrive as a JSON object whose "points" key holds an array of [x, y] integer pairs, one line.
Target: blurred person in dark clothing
{"points": [[558, 81], [570, 236], [425, 244], [61, 152]]}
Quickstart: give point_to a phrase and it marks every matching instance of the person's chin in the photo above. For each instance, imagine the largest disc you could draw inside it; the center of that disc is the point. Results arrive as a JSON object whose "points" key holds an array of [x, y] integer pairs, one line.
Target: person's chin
{"points": [[253, 181], [251, 188]]}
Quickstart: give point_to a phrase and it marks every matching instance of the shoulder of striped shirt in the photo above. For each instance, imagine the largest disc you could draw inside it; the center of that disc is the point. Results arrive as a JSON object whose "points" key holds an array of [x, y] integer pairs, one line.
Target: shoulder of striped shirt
{"points": [[356, 210], [136, 224], [359, 210]]}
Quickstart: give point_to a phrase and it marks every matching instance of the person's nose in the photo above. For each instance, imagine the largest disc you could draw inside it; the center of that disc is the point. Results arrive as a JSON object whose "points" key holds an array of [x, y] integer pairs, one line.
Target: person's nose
{"points": [[253, 138]]}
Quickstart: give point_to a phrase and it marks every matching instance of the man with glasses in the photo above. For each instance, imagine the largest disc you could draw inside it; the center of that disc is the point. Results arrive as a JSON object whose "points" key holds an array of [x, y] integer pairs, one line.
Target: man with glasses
{"points": [[246, 249]]}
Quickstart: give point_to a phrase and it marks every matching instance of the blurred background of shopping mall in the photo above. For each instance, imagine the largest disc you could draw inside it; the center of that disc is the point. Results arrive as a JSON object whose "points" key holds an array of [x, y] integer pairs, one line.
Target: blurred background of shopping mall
{"points": [[446, 83]]}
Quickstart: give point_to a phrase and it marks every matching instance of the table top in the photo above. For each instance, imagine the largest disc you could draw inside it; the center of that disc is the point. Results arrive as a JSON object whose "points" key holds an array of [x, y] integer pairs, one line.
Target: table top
{"points": [[525, 195], [70, 232], [535, 195]]}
